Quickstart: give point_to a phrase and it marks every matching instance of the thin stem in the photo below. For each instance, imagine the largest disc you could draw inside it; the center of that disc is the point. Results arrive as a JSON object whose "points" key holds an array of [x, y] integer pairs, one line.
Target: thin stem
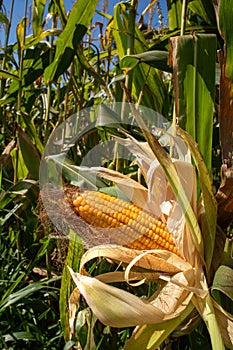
{"points": [[129, 75], [19, 101], [228, 249], [195, 70], [8, 28], [130, 44], [49, 88], [143, 88], [48, 264], [21, 53], [206, 310], [3, 81], [183, 17], [47, 112]]}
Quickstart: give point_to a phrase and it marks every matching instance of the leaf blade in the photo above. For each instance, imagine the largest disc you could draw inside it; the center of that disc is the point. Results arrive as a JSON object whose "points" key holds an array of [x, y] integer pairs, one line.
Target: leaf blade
{"points": [[67, 42]]}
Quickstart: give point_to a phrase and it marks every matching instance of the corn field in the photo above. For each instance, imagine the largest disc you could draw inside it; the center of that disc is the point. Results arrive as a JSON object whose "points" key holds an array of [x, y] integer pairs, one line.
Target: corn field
{"points": [[116, 201]]}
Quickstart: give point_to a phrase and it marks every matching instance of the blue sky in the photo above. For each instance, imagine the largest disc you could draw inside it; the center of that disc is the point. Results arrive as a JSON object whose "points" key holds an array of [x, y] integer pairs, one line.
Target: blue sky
{"points": [[19, 12]]}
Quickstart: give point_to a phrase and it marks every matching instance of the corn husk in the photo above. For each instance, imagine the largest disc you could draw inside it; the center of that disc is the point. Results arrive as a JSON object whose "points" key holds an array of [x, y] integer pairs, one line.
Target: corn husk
{"points": [[183, 282]]}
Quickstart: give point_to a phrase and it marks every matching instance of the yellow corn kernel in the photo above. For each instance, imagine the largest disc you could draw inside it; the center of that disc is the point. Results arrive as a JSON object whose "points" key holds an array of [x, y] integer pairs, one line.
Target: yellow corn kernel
{"points": [[105, 211]]}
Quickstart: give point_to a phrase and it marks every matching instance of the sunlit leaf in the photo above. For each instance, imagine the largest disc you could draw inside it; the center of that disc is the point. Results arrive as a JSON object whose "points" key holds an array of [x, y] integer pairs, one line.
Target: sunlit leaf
{"points": [[204, 9], [21, 32], [144, 76], [194, 61], [174, 13], [3, 19], [104, 14], [120, 309], [157, 59], [207, 311], [8, 75], [85, 63], [57, 6], [31, 40], [37, 16], [150, 337], [75, 251], [33, 69], [66, 45]]}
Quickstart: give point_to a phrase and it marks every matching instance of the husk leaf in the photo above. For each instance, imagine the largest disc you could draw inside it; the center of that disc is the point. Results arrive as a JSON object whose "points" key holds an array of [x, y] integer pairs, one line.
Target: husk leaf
{"points": [[207, 312], [225, 323], [155, 260], [115, 307], [133, 190], [150, 337]]}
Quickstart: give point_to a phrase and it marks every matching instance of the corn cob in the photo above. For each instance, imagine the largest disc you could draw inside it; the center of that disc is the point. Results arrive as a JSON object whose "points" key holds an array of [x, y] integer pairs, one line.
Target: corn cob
{"points": [[104, 211]]}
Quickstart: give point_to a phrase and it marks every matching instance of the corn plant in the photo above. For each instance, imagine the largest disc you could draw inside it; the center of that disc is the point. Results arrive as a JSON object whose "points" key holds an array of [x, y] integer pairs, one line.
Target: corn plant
{"points": [[181, 263]]}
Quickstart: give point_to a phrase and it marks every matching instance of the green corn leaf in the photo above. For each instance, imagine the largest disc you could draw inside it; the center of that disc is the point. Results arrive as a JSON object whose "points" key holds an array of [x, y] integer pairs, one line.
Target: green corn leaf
{"points": [[86, 64], [20, 168], [57, 6], [209, 218], [10, 214], [31, 40], [37, 16], [25, 292], [174, 13], [105, 15], [20, 31], [222, 289], [77, 25], [33, 69], [144, 77], [3, 19], [8, 75], [150, 337], [208, 314], [225, 24], [75, 252], [26, 336], [21, 188], [156, 58], [204, 9], [194, 61], [33, 134], [8, 99], [29, 152]]}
